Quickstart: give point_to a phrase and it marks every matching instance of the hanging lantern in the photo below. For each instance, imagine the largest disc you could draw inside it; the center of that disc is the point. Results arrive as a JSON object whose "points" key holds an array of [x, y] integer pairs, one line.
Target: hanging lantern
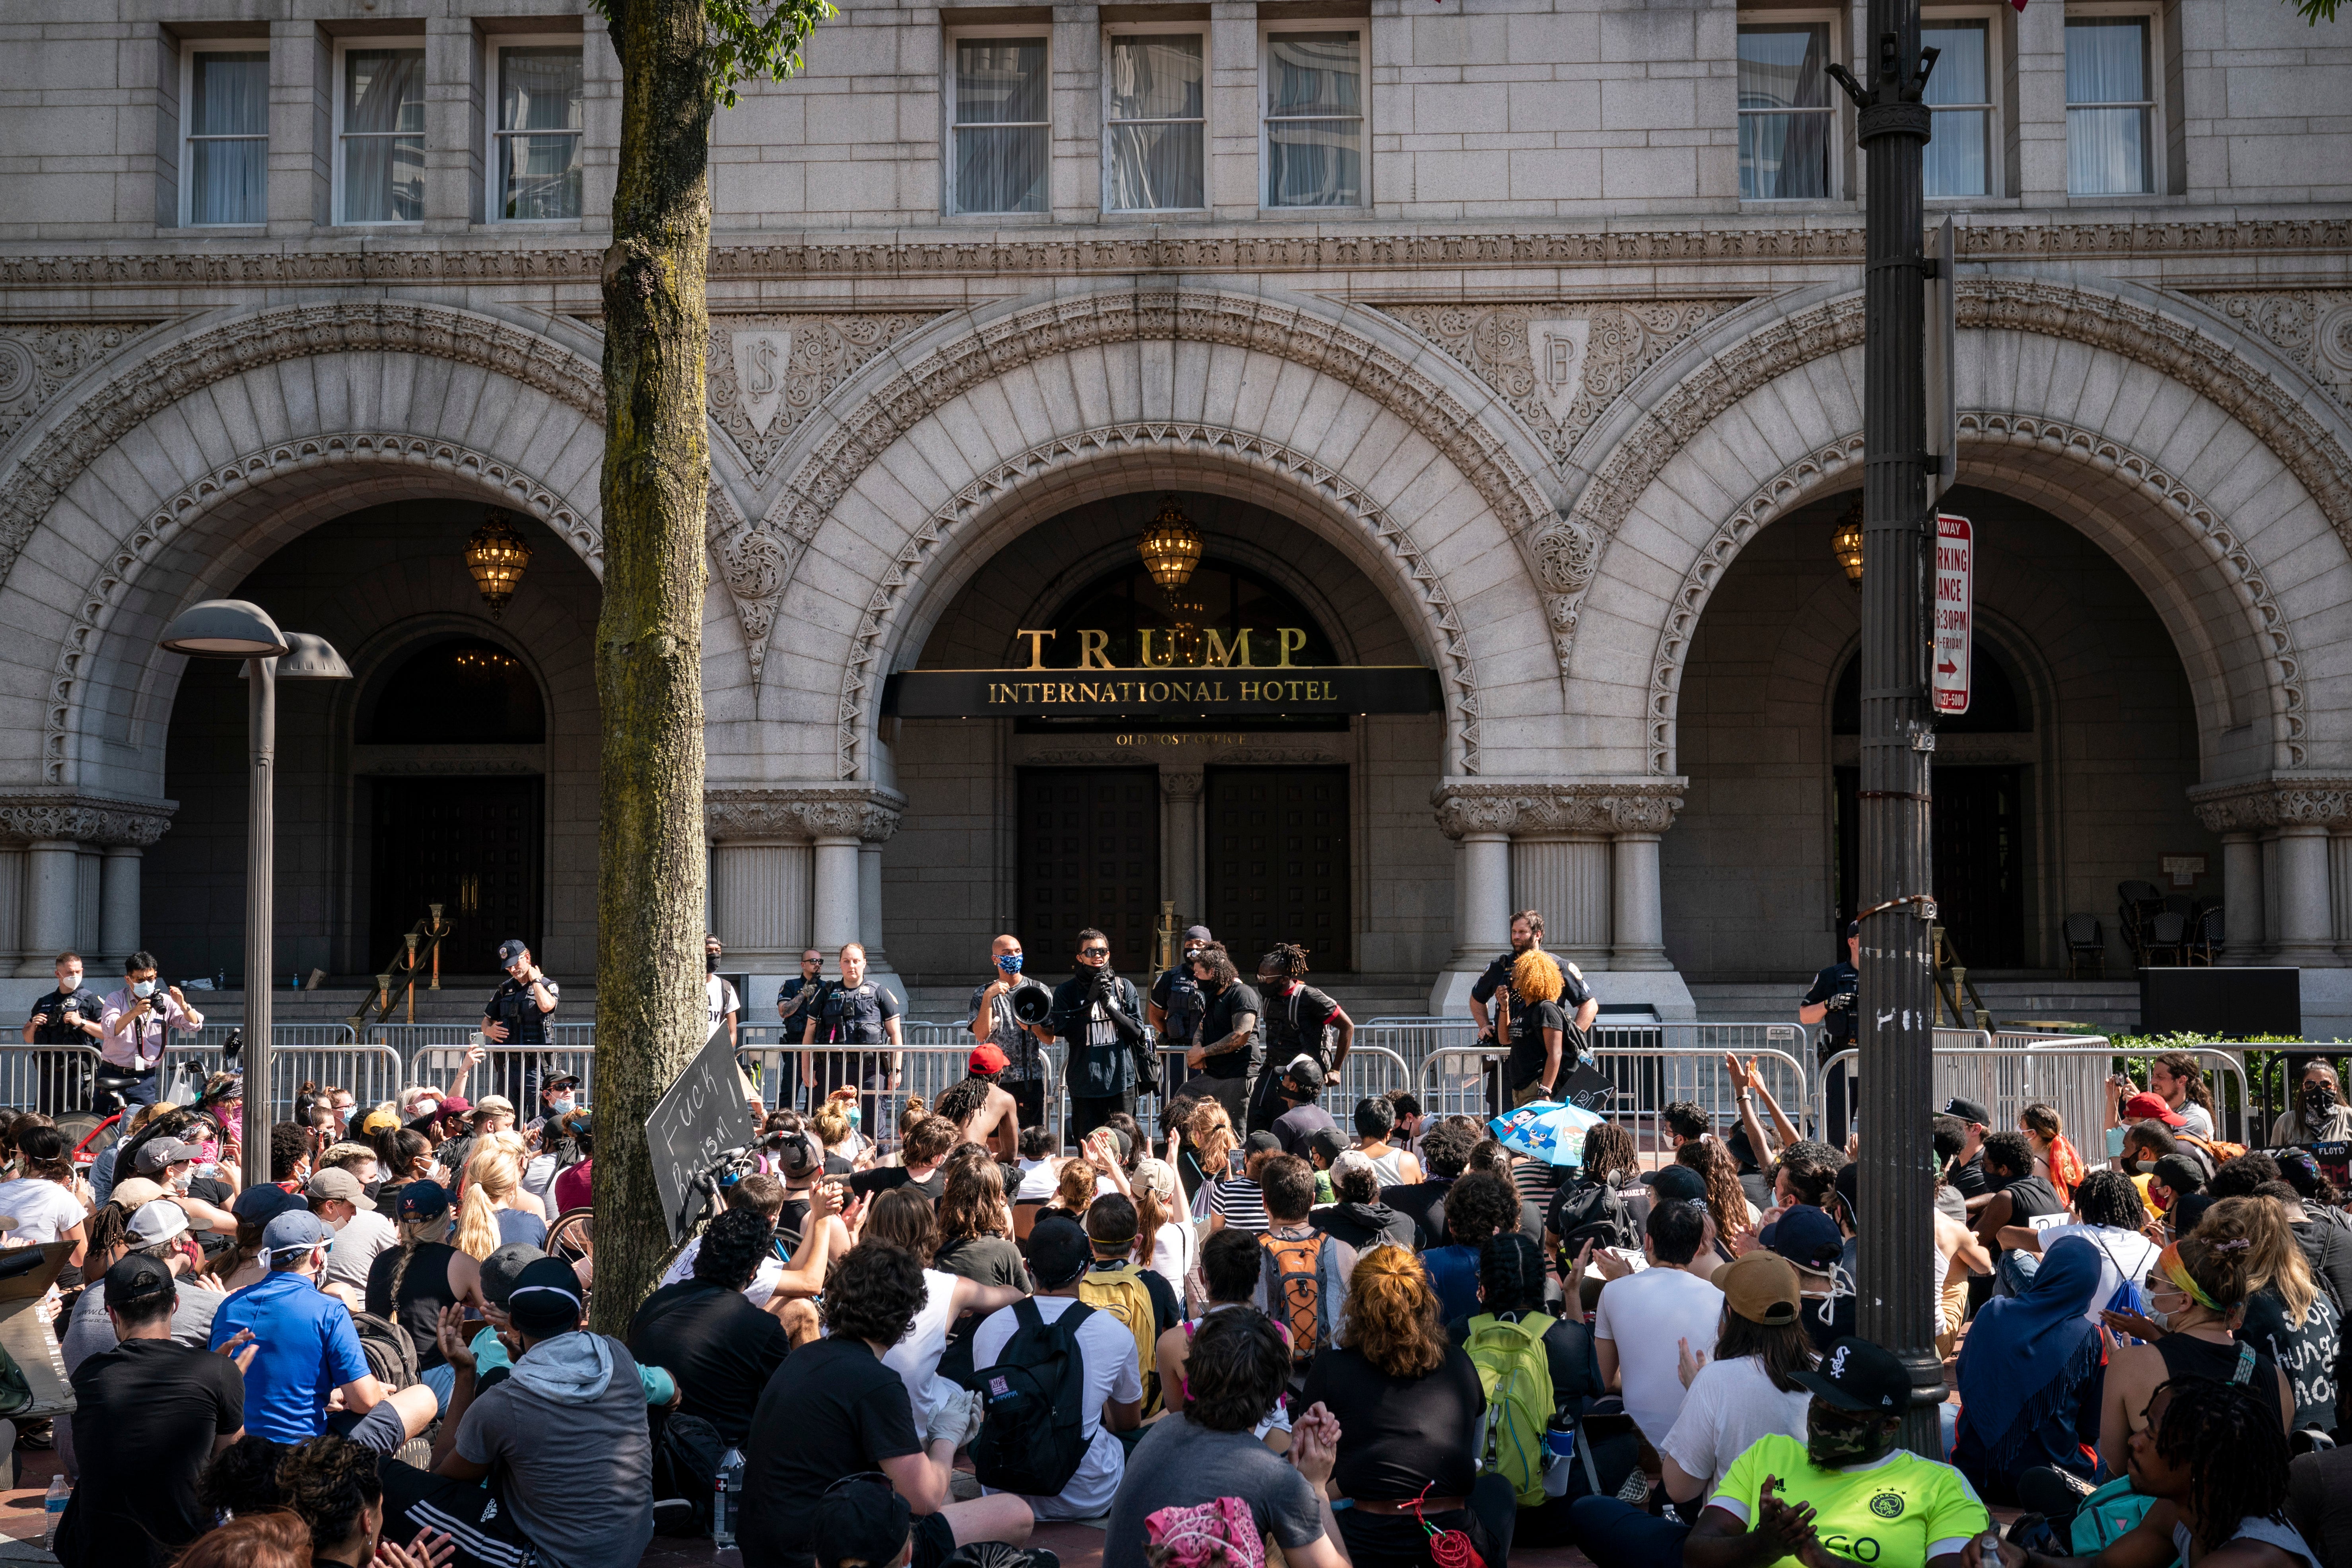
{"points": [[496, 555], [1846, 543], [1170, 547]]}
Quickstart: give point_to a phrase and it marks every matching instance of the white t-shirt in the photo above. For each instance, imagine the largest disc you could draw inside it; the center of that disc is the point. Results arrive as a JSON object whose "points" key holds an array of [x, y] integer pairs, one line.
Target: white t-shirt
{"points": [[357, 1245], [1730, 1404], [44, 1211], [1645, 1314], [1109, 1351], [762, 1284], [539, 1180], [1038, 1179], [915, 1358], [719, 991], [1173, 1246], [2125, 1255]]}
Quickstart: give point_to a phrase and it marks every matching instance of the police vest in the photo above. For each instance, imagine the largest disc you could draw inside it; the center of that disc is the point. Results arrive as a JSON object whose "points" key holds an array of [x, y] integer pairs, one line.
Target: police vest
{"points": [[848, 1016], [1185, 1009]]}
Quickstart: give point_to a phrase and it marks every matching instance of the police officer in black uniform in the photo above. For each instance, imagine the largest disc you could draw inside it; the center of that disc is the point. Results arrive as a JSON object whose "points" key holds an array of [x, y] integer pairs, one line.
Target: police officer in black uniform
{"points": [[853, 1011], [517, 1016], [794, 999], [1831, 1005], [72, 1015], [1300, 1021], [1176, 1004]]}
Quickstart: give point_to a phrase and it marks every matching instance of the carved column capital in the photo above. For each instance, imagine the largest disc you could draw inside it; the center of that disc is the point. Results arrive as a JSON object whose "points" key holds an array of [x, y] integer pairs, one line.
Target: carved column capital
{"points": [[736, 814], [41, 815], [2281, 800], [1182, 786], [1588, 805]]}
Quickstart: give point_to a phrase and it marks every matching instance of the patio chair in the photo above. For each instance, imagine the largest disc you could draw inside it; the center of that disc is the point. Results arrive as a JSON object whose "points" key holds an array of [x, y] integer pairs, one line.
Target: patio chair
{"points": [[2085, 944]]}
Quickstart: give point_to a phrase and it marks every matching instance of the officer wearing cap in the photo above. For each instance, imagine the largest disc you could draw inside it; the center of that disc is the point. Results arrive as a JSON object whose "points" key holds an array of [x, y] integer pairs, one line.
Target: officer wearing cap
{"points": [[307, 1347], [518, 1014], [1830, 1005]]}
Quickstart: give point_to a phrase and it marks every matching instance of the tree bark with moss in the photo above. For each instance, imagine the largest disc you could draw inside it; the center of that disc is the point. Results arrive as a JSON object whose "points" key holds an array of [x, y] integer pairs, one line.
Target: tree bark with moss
{"points": [[680, 60]]}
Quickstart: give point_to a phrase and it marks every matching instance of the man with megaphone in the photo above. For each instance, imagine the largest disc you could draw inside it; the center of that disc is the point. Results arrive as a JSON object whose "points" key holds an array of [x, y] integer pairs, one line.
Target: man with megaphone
{"points": [[1006, 1011]]}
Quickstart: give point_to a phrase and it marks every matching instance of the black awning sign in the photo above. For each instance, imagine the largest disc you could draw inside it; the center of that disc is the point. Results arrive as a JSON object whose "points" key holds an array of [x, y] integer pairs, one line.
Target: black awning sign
{"points": [[1149, 694]]}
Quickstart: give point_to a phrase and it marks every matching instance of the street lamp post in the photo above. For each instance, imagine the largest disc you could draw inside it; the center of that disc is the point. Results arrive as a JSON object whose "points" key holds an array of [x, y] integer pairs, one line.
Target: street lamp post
{"points": [[233, 629]]}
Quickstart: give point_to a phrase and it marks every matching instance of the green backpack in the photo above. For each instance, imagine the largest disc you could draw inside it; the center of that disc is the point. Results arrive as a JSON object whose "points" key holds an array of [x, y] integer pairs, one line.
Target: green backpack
{"points": [[1517, 1376]]}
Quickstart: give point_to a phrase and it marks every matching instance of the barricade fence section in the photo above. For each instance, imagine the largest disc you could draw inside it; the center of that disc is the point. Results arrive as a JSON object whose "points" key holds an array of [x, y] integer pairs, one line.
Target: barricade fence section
{"points": [[2069, 1073], [52, 1079], [322, 1055]]}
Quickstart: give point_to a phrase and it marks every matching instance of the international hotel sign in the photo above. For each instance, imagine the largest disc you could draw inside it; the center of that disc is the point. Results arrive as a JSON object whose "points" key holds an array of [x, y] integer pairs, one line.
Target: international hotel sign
{"points": [[1227, 678]]}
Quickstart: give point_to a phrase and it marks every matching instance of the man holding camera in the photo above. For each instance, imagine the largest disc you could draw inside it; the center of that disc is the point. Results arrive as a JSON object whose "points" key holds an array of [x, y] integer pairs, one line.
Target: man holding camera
{"points": [[1101, 1015], [994, 1021], [137, 1021], [517, 1016], [1830, 1005], [794, 997]]}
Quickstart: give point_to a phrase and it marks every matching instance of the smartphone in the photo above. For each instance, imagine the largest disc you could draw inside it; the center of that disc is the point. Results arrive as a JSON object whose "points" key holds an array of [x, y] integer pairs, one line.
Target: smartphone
{"points": [[2115, 1142]]}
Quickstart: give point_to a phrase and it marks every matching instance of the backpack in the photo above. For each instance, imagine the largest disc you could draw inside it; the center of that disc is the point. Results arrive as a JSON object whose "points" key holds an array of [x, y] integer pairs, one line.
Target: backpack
{"points": [[391, 1353], [2217, 1152], [1121, 1292], [1517, 1376], [687, 1453], [1033, 1434], [1597, 1213], [1294, 1295]]}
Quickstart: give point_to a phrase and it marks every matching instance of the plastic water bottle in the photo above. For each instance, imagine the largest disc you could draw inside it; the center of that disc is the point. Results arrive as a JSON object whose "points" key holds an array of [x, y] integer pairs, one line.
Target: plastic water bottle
{"points": [[728, 1489], [54, 1505]]}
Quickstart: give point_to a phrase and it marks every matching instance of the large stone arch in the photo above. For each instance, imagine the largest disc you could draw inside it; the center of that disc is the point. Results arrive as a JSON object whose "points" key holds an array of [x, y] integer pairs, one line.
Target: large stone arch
{"points": [[2105, 410]]}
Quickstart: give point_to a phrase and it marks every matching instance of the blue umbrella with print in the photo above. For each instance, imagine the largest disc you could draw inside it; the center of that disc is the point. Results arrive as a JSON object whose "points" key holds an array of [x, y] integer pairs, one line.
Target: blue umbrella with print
{"points": [[1543, 1131]]}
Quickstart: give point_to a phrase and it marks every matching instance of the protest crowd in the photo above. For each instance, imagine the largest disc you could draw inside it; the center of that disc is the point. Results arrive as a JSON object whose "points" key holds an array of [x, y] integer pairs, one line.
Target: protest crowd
{"points": [[1269, 1328]]}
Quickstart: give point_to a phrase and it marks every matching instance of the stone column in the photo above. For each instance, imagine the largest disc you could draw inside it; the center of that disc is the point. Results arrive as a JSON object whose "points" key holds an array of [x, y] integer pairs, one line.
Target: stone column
{"points": [[118, 925], [2339, 883], [869, 906], [2306, 922], [790, 871], [2288, 873], [1636, 915], [12, 906], [2241, 894], [52, 894], [1565, 876], [1181, 844], [760, 900], [90, 881], [837, 914]]}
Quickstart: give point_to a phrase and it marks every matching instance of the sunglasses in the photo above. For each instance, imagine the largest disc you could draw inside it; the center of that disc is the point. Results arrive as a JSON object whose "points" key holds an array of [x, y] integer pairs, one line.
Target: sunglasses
{"points": [[1093, 953]]}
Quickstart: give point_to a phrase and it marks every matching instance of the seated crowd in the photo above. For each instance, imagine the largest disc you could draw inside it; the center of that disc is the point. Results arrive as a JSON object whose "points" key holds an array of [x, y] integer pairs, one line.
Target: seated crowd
{"points": [[1386, 1341]]}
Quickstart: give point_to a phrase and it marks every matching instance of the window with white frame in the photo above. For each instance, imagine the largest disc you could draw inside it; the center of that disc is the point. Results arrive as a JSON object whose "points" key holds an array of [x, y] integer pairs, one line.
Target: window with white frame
{"points": [[1314, 119], [1155, 123], [535, 155], [1786, 121], [1001, 134], [380, 134], [2110, 105], [225, 159], [1958, 158]]}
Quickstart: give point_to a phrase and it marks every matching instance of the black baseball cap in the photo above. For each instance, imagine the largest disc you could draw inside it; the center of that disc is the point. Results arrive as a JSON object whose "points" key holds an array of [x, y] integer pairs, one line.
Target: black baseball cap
{"points": [[1853, 928], [511, 950], [1678, 1184], [861, 1523], [1058, 1251], [1857, 1375], [137, 1279], [546, 1297], [260, 1206], [1967, 1110], [1262, 1139], [1305, 1076]]}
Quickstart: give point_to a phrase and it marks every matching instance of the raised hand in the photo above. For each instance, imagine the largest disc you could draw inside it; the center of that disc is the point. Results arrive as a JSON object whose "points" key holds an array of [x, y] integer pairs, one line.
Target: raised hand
{"points": [[240, 1348], [431, 1549], [449, 1334], [1686, 1365]]}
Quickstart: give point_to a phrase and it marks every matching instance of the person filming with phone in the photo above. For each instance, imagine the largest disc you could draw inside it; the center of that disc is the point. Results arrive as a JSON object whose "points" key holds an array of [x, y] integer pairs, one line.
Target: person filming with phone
{"points": [[137, 1023]]}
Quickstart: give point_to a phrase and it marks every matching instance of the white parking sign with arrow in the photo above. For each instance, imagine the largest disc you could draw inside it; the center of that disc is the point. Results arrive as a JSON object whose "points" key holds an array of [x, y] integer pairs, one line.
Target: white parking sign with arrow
{"points": [[1954, 613]]}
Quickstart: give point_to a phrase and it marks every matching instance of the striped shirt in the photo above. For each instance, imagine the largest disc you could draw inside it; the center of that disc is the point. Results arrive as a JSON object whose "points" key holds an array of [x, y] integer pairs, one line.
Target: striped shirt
{"points": [[1242, 1204]]}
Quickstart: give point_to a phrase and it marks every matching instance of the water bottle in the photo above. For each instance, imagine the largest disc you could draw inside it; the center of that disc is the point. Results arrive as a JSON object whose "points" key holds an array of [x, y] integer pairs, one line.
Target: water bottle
{"points": [[728, 1489], [54, 1505]]}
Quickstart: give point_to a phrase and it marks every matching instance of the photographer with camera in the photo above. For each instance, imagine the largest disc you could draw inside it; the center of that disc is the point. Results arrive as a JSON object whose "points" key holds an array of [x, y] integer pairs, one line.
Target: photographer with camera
{"points": [[853, 1011], [517, 1016], [1005, 1011], [794, 997], [136, 1023], [1831, 1005], [1101, 1016]]}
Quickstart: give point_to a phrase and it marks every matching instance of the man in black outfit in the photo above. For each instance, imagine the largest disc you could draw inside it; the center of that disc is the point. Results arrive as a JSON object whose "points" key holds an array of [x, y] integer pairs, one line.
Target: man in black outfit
{"points": [[1101, 1016], [1444, 1155], [2022, 1198], [1227, 1053], [1970, 1177], [72, 1015], [1299, 1020], [148, 1415], [1831, 1005], [703, 1332], [1176, 1002]]}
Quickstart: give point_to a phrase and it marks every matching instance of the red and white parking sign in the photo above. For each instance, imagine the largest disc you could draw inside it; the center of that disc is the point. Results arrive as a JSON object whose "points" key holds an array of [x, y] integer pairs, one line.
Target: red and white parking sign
{"points": [[1955, 612]]}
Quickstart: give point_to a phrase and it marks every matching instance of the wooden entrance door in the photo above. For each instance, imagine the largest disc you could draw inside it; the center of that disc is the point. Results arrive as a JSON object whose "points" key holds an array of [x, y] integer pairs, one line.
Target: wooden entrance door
{"points": [[1089, 856], [1277, 863], [1979, 831], [470, 844]]}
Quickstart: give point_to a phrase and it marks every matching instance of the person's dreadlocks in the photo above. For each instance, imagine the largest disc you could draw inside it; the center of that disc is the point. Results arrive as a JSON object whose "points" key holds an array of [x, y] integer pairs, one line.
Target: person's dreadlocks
{"points": [[2229, 1439], [1288, 960]]}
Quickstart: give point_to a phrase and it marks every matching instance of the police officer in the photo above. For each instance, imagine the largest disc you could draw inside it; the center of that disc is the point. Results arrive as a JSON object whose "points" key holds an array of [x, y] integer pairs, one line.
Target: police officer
{"points": [[517, 1016], [1300, 1021], [72, 1015], [853, 1011], [993, 1021], [1176, 1004], [1830, 1005], [794, 997], [1101, 1016]]}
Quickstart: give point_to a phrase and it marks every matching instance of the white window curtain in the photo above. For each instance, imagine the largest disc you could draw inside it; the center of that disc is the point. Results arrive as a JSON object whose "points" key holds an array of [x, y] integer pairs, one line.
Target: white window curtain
{"points": [[2107, 106], [1785, 118], [1003, 128], [538, 133], [228, 137], [1958, 162], [1314, 121], [1156, 122], [384, 136]]}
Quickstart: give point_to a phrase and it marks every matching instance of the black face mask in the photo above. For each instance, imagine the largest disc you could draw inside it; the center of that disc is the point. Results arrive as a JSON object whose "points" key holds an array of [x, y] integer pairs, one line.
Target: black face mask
{"points": [[711, 964], [2318, 1098], [1835, 1443]]}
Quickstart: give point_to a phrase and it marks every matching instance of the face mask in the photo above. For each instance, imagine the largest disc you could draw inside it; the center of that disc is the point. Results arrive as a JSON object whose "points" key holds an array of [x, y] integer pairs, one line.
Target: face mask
{"points": [[855, 1115], [427, 1107], [209, 1150], [145, 988], [2318, 1098], [1010, 964], [180, 1183], [562, 1106], [1833, 1448], [710, 963], [2159, 1317]]}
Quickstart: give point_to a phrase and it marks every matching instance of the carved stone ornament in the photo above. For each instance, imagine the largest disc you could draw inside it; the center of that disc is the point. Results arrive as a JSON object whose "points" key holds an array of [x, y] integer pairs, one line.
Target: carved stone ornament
{"points": [[1597, 805], [2312, 327], [2282, 800], [732, 813], [30, 817], [1559, 365], [38, 357], [766, 372]]}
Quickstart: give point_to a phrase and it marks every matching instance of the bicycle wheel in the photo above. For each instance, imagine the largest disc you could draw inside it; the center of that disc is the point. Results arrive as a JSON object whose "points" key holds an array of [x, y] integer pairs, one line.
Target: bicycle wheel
{"points": [[572, 1237]]}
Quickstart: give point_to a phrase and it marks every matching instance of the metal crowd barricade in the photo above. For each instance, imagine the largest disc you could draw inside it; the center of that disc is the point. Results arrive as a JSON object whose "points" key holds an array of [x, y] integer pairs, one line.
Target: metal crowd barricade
{"points": [[802, 1076], [52, 1079], [2067, 1072], [326, 1055]]}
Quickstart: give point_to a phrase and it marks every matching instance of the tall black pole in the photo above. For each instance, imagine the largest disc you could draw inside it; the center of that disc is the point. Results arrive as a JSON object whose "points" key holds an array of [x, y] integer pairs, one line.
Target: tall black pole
{"points": [[1896, 1034]]}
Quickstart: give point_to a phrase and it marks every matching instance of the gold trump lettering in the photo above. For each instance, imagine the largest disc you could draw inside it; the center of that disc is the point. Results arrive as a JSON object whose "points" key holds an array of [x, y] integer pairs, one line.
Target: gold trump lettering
{"points": [[1216, 648]]}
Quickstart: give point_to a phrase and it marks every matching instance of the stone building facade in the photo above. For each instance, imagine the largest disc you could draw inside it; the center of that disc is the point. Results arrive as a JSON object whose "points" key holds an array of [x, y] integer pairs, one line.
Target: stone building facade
{"points": [[1516, 340]]}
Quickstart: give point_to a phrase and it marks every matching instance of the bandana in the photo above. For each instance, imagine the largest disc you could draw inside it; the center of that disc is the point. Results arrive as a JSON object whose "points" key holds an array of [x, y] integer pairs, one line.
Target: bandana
{"points": [[2178, 1272]]}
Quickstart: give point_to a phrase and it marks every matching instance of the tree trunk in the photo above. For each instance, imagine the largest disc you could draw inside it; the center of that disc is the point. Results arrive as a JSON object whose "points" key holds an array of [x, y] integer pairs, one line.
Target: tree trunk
{"points": [[651, 859]]}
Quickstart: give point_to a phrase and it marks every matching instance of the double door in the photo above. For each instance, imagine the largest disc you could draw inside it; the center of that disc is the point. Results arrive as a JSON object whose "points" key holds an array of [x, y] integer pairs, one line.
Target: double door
{"points": [[1277, 863], [1090, 855]]}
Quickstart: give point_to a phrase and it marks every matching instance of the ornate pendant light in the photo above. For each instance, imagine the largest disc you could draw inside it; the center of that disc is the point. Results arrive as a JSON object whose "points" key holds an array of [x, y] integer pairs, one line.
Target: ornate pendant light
{"points": [[496, 555], [1846, 545], [1170, 547]]}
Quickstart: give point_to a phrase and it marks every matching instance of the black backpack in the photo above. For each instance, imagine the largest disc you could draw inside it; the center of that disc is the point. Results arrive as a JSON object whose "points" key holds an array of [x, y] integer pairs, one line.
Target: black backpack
{"points": [[1597, 1213], [688, 1452], [391, 1354], [1033, 1436]]}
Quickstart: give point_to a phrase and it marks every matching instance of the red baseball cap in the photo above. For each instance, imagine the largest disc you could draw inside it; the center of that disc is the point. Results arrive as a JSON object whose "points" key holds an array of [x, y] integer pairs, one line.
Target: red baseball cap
{"points": [[986, 1059], [2146, 1106]]}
